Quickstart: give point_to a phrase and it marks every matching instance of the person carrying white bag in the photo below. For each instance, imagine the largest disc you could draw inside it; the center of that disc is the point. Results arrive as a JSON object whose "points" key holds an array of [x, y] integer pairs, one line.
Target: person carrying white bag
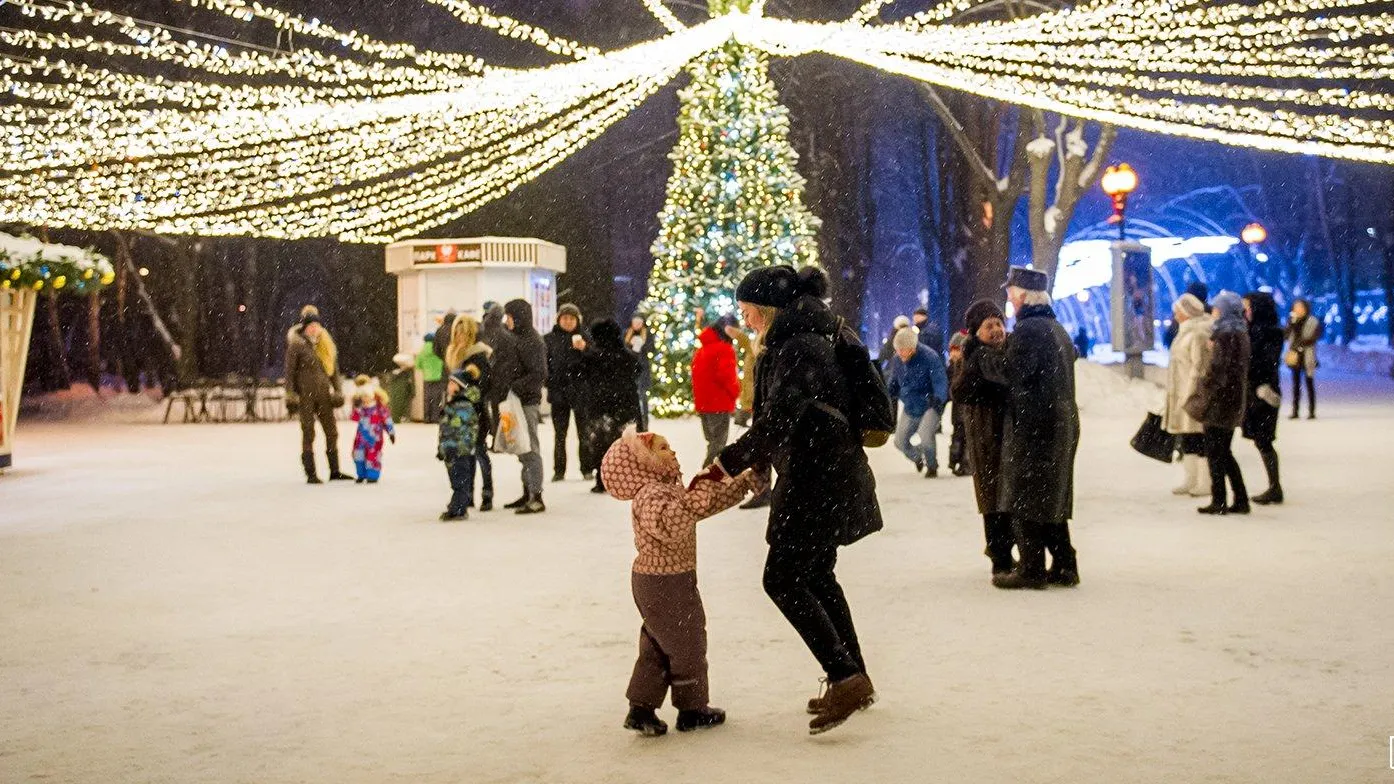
{"points": [[512, 437]]}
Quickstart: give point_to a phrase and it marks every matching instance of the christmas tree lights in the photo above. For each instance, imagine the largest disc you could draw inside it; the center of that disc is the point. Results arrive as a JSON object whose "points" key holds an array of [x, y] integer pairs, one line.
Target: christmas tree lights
{"points": [[735, 203]]}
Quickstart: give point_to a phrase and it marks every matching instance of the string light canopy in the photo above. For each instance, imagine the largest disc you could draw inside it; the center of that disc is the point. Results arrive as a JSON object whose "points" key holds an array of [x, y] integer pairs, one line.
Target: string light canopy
{"points": [[119, 122]]}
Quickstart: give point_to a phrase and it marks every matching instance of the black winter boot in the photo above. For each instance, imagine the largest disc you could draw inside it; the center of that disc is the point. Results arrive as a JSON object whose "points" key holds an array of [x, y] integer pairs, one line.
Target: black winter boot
{"points": [[335, 475], [1064, 570], [307, 460], [645, 722], [997, 530], [519, 504], [1274, 493], [700, 719], [533, 505], [1031, 572]]}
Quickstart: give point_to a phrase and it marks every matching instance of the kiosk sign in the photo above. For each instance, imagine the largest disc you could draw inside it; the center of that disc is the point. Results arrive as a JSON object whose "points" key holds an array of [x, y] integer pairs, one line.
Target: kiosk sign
{"points": [[448, 253]]}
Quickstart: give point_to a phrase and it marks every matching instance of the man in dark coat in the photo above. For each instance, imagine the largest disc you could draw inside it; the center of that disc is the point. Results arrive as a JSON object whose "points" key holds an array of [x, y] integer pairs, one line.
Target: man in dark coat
{"points": [[1041, 436], [564, 388], [312, 392], [825, 496], [1265, 389], [504, 364], [1219, 402], [979, 391], [503, 368], [440, 342], [608, 390], [930, 333], [527, 385]]}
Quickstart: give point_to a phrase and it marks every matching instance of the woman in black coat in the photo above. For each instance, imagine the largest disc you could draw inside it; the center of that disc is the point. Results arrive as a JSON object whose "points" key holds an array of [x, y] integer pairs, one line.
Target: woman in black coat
{"points": [[608, 390], [1219, 401], [1265, 392], [979, 392], [825, 496]]}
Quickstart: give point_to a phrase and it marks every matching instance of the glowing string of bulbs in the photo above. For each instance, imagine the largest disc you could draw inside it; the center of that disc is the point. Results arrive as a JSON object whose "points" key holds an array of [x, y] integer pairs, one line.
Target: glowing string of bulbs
{"points": [[386, 139]]}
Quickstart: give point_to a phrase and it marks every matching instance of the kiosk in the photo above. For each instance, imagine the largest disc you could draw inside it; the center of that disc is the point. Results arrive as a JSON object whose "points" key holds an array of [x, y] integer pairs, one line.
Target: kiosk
{"points": [[438, 276]]}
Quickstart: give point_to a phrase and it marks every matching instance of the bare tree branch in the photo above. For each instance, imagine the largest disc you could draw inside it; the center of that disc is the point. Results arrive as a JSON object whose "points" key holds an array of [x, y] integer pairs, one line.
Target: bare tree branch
{"points": [[965, 145]]}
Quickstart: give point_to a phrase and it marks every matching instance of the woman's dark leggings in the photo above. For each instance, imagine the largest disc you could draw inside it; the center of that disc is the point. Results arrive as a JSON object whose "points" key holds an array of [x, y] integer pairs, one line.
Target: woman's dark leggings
{"points": [[1270, 462], [1219, 442], [799, 579], [1298, 373]]}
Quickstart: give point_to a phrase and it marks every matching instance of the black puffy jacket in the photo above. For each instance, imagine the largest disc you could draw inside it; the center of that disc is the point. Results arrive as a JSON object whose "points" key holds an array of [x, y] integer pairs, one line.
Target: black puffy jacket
{"points": [[826, 493]]}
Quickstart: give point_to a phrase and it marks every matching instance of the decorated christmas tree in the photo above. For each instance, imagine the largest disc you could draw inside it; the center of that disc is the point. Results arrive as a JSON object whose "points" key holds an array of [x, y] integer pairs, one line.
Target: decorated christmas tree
{"points": [[735, 203]]}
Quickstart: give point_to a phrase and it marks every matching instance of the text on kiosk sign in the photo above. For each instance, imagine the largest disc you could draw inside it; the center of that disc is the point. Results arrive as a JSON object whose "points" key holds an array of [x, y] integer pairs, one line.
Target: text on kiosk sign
{"points": [[448, 253]]}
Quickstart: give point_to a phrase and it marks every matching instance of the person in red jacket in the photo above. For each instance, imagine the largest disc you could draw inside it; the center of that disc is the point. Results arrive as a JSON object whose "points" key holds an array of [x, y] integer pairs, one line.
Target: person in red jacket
{"points": [[716, 386]]}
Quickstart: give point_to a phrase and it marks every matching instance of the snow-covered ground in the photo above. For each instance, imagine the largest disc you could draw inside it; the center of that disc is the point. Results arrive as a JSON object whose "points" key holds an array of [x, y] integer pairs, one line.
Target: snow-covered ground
{"points": [[177, 606]]}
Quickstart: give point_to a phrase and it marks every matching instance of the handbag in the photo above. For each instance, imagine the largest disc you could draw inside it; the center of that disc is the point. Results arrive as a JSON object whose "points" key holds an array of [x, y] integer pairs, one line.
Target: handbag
{"points": [[1292, 359], [511, 437], [1154, 442]]}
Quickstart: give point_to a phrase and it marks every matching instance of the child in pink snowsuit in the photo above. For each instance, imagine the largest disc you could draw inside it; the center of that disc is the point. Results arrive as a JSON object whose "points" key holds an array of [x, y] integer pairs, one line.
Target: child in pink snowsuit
{"points": [[642, 468], [374, 423]]}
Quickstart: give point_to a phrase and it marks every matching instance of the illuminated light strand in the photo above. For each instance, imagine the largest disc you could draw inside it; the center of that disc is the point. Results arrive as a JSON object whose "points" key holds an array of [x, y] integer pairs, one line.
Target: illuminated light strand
{"points": [[147, 31], [507, 84], [1237, 126], [869, 11], [351, 39], [302, 159], [512, 28], [500, 85], [664, 16], [205, 58]]}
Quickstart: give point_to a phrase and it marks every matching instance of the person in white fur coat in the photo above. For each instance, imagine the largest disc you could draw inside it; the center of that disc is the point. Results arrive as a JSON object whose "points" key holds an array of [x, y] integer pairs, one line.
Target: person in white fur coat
{"points": [[1190, 354]]}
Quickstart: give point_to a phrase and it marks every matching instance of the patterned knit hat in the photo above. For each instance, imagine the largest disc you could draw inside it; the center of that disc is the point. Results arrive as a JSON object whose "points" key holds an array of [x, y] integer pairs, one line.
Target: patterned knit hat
{"points": [[630, 465]]}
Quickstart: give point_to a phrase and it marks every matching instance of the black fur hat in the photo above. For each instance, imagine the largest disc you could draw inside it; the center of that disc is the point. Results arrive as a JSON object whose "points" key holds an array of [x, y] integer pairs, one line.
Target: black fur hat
{"points": [[779, 286]]}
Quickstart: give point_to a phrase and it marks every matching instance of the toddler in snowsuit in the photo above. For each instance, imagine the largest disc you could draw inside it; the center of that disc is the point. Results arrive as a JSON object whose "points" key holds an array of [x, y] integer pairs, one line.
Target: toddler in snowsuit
{"points": [[459, 435], [374, 420], [641, 467]]}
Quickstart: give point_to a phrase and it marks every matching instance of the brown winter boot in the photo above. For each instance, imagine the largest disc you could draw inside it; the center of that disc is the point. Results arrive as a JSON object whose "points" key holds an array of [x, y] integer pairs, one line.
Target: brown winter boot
{"points": [[307, 461], [816, 704], [845, 697]]}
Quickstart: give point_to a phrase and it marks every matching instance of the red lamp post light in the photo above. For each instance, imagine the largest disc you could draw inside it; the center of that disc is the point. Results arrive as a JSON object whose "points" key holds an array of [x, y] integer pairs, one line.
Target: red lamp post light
{"points": [[1118, 182]]}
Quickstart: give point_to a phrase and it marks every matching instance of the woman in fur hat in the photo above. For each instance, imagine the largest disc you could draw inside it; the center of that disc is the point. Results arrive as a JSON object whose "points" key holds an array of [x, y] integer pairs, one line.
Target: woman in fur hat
{"points": [[825, 496], [979, 392], [1190, 355]]}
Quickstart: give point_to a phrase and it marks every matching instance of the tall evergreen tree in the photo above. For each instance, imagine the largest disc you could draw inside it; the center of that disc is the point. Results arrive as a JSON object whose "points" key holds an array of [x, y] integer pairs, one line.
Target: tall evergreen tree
{"points": [[735, 203]]}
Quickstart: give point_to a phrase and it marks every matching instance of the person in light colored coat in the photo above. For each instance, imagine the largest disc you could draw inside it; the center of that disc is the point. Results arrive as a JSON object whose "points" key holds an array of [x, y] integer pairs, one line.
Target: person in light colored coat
{"points": [[1190, 355]]}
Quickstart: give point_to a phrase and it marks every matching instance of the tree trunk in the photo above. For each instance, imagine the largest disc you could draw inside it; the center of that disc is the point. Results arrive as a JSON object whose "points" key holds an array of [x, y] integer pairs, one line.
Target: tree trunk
{"points": [[61, 375], [187, 310], [127, 364], [94, 340]]}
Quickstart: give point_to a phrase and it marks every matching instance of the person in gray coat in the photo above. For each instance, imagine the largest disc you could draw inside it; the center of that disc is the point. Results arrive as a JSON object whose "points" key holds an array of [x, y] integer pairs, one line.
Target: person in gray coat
{"points": [[1041, 437]]}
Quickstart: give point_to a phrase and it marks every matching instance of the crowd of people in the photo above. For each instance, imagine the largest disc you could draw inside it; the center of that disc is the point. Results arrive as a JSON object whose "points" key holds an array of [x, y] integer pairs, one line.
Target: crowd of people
{"points": [[1224, 374], [808, 411]]}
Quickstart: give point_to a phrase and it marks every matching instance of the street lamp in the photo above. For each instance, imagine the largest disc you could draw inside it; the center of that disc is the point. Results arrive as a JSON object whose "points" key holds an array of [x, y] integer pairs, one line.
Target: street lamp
{"points": [[1254, 234], [1120, 181]]}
